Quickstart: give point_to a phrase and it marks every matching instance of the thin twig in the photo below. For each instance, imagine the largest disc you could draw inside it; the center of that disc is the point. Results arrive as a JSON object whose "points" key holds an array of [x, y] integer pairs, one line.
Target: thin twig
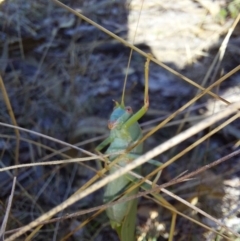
{"points": [[4, 223], [138, 50], [12, 116]]}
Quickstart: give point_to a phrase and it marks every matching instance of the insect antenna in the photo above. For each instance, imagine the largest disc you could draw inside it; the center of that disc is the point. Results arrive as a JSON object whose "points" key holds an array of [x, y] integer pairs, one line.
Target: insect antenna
{"points": [[126, 75], [129, 59]]}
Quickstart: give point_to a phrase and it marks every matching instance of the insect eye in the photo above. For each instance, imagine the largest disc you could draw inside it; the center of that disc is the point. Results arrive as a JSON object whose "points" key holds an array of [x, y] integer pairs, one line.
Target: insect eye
{"points": [[128, 109]]}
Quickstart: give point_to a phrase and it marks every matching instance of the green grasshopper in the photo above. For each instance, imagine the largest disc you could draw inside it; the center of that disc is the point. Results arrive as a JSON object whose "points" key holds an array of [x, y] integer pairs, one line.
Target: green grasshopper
{"points": [[125, 132]]}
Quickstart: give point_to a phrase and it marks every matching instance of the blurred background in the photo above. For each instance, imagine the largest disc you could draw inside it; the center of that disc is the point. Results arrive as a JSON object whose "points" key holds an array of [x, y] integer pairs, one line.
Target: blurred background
{"points": [[61, 74]]}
